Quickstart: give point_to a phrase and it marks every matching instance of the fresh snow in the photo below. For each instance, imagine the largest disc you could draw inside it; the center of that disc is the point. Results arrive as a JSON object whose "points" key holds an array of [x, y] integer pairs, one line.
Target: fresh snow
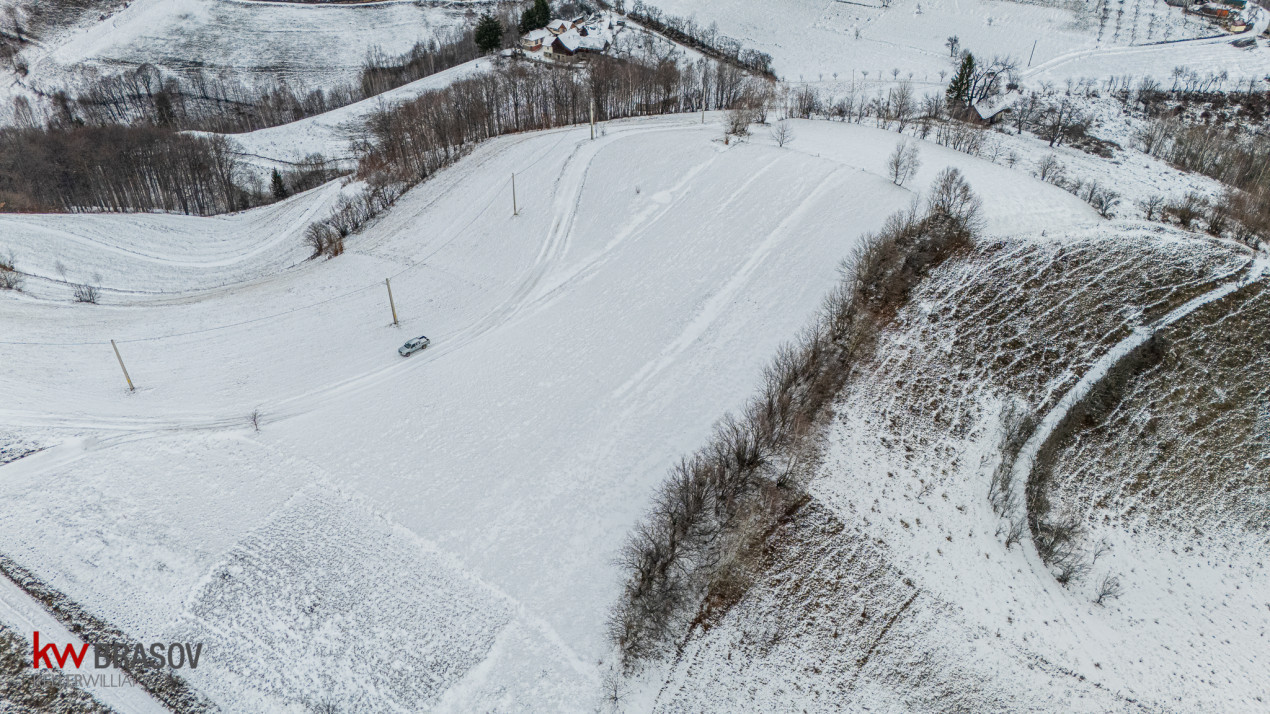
{"points": [[305, 44], [817, 42], [578, 350]]}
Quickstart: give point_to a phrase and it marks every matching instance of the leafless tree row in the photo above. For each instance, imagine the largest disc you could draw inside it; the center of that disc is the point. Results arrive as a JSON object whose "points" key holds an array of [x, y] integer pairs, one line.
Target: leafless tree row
{"points": [[707, 40], [698, 549], [407, 143], [131, 168], [411, 141]]}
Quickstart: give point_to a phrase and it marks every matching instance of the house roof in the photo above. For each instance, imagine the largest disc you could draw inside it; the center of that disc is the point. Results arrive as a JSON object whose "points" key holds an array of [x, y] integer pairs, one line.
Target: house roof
{"points": [[597, 41], [538, 35], [992, 106], [570, 40], [558, 26]]}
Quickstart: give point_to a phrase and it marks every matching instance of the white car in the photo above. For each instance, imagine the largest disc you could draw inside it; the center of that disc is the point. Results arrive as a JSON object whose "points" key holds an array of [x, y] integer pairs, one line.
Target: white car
{"points": [[413, 346]]}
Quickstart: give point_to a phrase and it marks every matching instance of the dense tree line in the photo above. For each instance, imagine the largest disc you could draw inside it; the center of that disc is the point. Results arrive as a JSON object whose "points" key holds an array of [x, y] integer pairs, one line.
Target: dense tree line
{"points": [[133, 168], [411, 141], [116, 168], [407, 143], [701, 545]]}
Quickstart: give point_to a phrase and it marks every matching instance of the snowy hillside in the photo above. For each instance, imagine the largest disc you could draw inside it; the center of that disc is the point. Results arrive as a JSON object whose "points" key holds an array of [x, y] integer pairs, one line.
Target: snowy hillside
{"points": [[898, 586], [840, 43], [1033, 475], [562, 341], [306, 45]]}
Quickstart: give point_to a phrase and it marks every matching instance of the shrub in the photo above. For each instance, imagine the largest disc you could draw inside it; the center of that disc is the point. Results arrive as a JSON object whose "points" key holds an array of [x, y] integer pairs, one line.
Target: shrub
{"points": [[1186, 209], [324, 240], [700, 546], [86, 293], [10, 278], [1109, 588], [1017, 424]]}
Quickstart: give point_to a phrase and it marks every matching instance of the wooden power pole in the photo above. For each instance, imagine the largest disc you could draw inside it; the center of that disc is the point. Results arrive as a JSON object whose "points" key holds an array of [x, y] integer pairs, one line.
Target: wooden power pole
{"points": [[515, 210], [125, 369], [391, 305]]}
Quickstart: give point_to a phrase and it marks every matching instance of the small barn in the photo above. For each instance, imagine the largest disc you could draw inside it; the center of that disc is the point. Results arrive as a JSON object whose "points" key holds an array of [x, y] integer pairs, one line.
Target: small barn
{"points": [[992, 109]]}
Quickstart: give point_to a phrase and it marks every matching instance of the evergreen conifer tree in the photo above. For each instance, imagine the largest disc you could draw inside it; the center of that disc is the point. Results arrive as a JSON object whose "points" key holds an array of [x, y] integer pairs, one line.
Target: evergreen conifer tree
{"points": [[489, 33], [535, 17], [959, 88], [277, 186]]}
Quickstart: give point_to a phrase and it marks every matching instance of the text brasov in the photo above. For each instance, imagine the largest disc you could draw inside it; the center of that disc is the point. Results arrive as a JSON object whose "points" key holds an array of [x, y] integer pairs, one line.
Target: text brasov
{"points": [[130, 656]]}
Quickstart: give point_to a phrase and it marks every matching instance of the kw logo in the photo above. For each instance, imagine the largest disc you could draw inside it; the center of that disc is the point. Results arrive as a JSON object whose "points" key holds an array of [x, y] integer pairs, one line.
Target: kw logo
{"points": [[120, 655]]}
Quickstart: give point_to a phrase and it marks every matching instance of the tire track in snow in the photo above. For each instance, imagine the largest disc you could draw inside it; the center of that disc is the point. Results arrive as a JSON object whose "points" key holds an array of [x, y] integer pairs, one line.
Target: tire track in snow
{"points": [[568, 195], [639, 223], [715, 305]]}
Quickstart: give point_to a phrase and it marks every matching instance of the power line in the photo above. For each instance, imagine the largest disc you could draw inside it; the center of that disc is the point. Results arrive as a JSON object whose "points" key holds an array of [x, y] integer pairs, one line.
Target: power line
{"points": [[299, 308]]}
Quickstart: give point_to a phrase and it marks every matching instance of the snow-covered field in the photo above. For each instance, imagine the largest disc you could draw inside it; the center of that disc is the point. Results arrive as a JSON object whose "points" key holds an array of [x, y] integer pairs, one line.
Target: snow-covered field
{"points": [[578, 350], [349, 530], [841, 40], [306, 45]]}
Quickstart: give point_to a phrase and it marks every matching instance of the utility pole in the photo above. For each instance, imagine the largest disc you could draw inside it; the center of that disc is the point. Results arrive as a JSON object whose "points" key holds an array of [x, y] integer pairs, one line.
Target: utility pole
{"points": [[391, 305], [125, 369], [515, 210], [1029, 57], [593, 119]]}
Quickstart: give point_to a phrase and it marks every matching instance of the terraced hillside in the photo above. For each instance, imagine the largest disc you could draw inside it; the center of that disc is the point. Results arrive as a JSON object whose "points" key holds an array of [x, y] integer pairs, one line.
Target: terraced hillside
{"points": [[901, 583]]}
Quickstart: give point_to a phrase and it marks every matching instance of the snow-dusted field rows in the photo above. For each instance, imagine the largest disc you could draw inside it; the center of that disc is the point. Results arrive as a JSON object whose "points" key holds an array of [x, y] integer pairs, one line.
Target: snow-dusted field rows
{"points": [[463, 505], [308, 45], [816, 41]]}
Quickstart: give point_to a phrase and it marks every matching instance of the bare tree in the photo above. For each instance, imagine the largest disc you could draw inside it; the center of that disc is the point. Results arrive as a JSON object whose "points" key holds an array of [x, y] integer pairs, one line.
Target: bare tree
{"points": [[1151, 206], [782, 132], [1049, 169], [254, 420], [1024, 111], [1060, 119], [902, 104], [903, 162], [988, 79], [1109, 588], [739, 120], [1154, 137], [1015, 533], [951, 195]]}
